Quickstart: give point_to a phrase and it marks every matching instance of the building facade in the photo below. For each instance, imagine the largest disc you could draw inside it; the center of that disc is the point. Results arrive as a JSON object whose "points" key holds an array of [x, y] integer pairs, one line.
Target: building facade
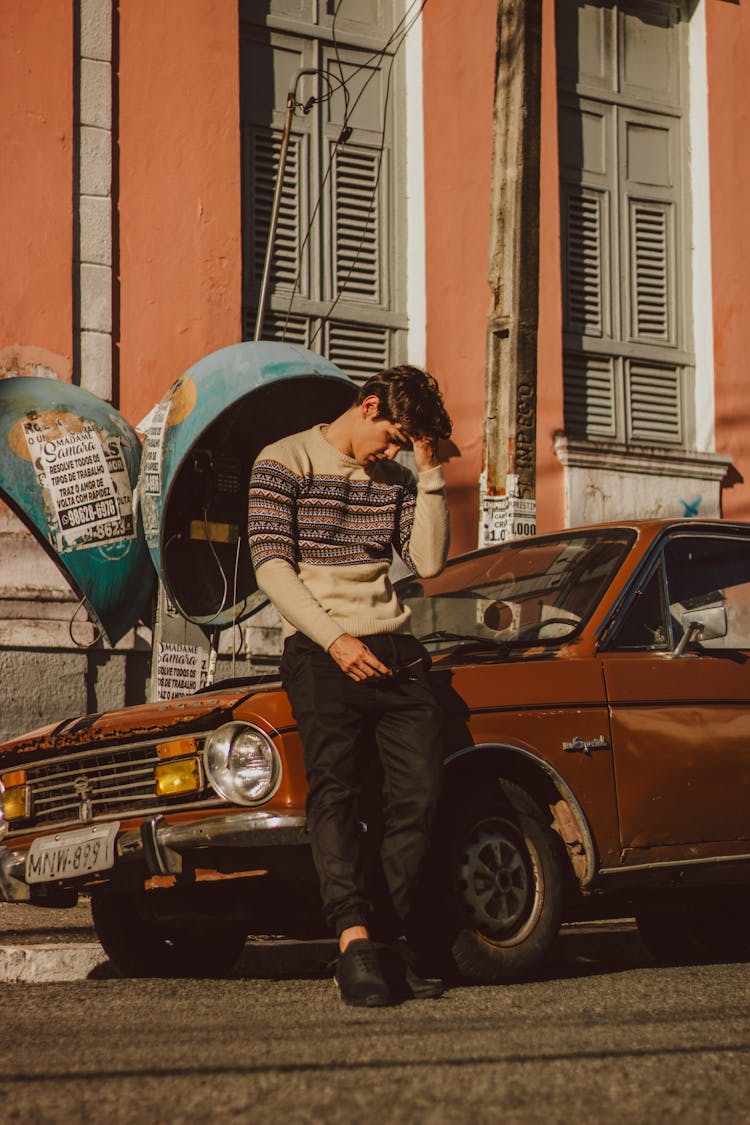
{"points": [[542, 202]]}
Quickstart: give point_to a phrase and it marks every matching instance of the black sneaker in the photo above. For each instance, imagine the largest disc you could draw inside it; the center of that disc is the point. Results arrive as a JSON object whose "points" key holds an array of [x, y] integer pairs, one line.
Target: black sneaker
{"points": [[359, 976], [402, 978]]}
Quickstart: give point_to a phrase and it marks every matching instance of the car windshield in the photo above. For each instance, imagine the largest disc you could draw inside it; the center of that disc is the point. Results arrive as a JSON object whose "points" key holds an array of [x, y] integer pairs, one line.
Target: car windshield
{"points": [[526, 592]]}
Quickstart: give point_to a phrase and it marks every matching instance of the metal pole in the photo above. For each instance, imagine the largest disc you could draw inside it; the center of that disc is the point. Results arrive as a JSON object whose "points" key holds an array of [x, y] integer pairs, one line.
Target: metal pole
{"points": [[291, 101]]}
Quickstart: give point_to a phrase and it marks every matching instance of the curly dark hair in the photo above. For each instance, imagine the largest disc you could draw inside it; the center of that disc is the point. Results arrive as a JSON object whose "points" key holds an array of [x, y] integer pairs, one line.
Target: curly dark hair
{"points": [[411, 398]]}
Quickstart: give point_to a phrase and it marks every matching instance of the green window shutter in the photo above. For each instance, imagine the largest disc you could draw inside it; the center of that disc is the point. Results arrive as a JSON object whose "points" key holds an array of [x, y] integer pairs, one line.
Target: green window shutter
{"points": [[653, 403], [357, 221], [589, 396], [651, 274], [358, 350], [585, 232], [622, 121], [279, 326], [338, 273], [265, 149]]}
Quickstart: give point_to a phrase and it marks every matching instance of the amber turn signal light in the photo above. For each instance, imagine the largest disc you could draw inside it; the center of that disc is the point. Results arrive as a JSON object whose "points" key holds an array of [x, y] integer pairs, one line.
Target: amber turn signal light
{"points": [[177, 748], [16, 802], [174, 777]]}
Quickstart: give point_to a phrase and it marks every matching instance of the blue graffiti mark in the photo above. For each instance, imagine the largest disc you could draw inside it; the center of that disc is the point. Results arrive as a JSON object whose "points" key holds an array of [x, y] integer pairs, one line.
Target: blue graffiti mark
{"points": [[691, 507]]}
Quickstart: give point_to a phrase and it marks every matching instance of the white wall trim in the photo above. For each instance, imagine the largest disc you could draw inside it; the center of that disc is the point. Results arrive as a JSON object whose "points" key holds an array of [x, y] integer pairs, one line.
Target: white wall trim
{"points": [[416, 307], [95, 227], [702, 302]]}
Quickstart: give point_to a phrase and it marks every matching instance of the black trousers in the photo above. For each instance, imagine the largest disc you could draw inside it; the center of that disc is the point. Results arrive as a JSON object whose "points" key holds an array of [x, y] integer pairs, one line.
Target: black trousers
{"points": [[372, 750]]}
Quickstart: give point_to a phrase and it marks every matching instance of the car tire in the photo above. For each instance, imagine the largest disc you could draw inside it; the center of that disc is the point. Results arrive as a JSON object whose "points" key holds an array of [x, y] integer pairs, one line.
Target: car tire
{"points": [[140, 945], [502, 872], [698, 933]]}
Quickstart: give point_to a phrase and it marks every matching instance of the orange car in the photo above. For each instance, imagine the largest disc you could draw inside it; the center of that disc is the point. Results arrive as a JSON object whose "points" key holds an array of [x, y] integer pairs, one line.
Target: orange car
{"points": [[595, 686]]}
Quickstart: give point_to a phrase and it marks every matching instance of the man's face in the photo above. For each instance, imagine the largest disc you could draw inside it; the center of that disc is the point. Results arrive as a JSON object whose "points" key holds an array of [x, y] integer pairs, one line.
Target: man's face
{"points": [[377, 439]]}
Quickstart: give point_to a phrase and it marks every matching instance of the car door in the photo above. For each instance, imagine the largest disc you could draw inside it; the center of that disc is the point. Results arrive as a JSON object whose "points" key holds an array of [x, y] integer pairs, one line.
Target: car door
{"points": [[679, 704]]}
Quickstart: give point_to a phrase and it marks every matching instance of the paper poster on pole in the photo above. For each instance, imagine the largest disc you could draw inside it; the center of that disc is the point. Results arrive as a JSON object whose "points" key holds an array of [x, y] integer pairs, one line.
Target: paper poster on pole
{"points": [[505, 518], [180, 669]]}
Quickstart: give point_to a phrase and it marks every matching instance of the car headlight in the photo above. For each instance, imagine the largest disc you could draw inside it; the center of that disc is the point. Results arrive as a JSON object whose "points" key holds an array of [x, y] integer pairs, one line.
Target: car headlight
{"points": [[242, 763]]}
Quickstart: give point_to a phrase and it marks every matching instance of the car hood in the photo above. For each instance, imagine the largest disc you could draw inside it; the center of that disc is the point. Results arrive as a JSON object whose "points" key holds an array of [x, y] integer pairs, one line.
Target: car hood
{"points": [[69, 464], [163, 720]]}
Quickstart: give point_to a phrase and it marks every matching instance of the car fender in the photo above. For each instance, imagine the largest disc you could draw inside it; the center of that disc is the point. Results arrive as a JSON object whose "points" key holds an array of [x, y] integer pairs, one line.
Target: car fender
{"points": [[568, 818]]}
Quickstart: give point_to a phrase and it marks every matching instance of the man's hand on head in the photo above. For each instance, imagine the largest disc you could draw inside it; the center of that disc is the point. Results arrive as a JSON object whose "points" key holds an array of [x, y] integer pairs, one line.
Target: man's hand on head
{"points": [[356, 660], [425, 454]]}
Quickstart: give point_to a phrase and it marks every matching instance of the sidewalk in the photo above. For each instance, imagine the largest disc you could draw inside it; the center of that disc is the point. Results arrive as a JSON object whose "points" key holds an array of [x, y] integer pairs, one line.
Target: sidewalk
{"points": [[42, 946]]}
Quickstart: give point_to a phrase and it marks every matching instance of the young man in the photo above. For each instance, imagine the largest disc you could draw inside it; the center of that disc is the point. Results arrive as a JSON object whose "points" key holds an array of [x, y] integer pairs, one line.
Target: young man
{"points": [[327, 508]]}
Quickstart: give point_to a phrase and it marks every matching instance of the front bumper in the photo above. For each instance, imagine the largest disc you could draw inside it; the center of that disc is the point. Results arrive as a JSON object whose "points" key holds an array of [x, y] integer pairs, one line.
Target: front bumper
{"points": [[162, 846]]}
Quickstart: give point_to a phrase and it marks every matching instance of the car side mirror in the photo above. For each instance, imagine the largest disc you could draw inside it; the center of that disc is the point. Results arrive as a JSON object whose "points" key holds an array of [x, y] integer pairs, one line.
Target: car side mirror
{"points": [[707, 624]]}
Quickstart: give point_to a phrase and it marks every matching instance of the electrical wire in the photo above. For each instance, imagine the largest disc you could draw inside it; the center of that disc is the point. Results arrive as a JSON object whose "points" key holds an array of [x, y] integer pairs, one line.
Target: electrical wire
{"points": [[183, 612], [405, 19], [217, 560], [97, 636]]}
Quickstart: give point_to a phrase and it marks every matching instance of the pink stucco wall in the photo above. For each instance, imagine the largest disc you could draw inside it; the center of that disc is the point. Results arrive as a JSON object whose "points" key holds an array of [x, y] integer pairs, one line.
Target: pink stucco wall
{"points": [[549, 471], [459, 61], [728, 36], [180, 206], [36, 185]]}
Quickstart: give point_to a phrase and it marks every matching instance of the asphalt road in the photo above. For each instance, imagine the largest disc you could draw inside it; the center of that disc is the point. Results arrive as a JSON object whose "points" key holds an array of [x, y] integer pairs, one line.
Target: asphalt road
{"points": [[599, 1039]]}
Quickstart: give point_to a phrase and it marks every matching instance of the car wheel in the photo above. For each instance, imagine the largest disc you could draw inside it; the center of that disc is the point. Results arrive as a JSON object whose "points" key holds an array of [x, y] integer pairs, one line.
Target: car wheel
{"points": [[140, 945], [717, 931], [506, 884]]}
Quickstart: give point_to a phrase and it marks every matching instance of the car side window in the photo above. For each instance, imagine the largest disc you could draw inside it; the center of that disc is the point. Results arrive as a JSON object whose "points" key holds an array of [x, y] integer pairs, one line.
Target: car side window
{"points": [[643, 624], [708, 583]]}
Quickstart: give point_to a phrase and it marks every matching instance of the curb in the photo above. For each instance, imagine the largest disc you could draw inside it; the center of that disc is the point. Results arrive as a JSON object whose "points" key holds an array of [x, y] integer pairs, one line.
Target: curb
{"points": [[265, 959], [45, 964], [49, 964]]}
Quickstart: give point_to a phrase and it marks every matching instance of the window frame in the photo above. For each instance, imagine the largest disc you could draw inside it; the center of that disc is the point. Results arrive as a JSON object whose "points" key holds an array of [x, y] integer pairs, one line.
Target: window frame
{"points": [[359, 332], [619, 386]]}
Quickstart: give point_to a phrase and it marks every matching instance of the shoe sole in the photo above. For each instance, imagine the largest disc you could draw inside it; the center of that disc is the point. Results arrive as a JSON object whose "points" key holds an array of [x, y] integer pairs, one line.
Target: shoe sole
{"points": [[366, 1001], [433, 994]]}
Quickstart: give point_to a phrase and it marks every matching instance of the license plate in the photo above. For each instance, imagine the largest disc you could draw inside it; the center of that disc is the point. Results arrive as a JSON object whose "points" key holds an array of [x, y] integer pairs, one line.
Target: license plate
{"points": [[67, 855]]}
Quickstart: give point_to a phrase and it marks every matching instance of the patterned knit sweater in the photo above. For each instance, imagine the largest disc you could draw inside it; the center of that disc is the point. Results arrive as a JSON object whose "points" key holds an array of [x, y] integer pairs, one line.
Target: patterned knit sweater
{"points": [[322, 530]]}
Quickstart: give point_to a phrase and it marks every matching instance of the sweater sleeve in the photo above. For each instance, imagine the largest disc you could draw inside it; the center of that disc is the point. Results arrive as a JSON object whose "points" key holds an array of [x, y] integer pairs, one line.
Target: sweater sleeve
{"points": [[424, 526], [272, 532], [271, 512], [295, 603]]}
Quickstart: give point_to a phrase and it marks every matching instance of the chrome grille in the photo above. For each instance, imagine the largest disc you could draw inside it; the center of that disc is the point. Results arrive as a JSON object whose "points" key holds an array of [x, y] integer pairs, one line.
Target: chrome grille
{"points": [[112, 781]]}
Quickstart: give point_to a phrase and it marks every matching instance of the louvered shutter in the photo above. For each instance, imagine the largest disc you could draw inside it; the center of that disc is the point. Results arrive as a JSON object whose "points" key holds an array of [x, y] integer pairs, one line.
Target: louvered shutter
{"points": [[265, 149], [622, 112], [585, 235], [357, 221], [651, 276], [358, 350], [278, 326], [338, 272], [589, 401], [653, 403]]}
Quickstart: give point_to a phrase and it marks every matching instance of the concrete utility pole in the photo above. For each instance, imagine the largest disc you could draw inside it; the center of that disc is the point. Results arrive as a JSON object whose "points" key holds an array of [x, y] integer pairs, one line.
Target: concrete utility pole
{"points": [[508, 486]]}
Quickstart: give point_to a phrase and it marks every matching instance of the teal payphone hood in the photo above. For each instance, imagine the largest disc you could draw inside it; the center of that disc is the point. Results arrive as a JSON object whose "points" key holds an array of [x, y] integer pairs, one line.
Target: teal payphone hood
{"points": [[201, 441], [68, 468], [111, 513]]}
